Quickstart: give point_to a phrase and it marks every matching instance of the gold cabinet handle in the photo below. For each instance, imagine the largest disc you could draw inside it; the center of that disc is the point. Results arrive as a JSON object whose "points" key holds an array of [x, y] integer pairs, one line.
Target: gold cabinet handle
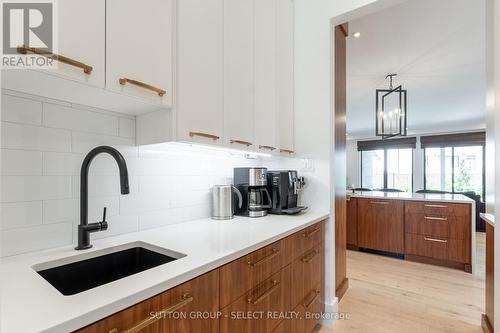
{"points": [[316, 295], [287, 151], [204, 135], [310, 233], [186, 299], [435, 206], [24, 50], [274, 253], [159, 91], [431, 218], [271, 148], [435, 240], [310, 256], [241, 142], [274, 285], [379, 202]]}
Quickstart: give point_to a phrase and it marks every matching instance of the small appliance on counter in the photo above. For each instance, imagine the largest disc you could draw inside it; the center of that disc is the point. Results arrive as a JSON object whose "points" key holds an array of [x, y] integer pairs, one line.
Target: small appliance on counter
{"points": [[252, 183], [223, 206], [285, 187]]}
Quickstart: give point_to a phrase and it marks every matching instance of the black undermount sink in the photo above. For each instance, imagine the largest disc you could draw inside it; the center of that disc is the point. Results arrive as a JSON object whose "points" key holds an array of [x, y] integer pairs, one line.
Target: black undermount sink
{"points": [[90, 272]]}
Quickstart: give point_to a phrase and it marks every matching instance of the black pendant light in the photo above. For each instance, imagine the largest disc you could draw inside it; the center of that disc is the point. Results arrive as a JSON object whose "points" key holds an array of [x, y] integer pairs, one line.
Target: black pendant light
{"points": [[391, 117]]}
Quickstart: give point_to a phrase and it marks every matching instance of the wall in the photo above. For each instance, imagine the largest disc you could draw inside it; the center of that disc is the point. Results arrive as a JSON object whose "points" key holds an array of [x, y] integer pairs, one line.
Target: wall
{"points": [[43, 143]]}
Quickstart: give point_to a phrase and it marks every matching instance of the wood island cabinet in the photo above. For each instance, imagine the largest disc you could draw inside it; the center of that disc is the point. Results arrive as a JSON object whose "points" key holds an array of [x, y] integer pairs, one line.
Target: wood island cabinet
{"points": [[352, 224], [257, 293], [381, 225]]}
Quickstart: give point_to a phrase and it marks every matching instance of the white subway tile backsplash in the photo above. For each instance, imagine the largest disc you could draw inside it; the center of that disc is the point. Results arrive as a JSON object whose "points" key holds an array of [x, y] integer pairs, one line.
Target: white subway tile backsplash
{"points": [[20, 214], [23, 240], [79, 120], [21, 110], [127, 128], [16, 136], [32, 188], [21, 163], [40, 175], [57, 211]]}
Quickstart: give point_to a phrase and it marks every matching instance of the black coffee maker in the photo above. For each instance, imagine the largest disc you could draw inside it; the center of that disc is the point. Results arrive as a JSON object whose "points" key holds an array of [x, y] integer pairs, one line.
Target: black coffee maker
{"points": [[252, 183], [285, 187]]}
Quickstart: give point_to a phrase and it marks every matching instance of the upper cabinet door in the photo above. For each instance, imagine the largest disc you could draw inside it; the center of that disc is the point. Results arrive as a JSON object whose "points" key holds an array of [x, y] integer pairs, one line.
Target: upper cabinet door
{"points": [[139, 48], [265, 75], [200, 71], [239, 73], [82, 38], [285, 26]]}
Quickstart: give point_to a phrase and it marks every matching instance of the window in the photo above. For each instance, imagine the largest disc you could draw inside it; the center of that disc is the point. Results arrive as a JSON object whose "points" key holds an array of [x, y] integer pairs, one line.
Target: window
{"points": [[387, 168], [455, 169]]}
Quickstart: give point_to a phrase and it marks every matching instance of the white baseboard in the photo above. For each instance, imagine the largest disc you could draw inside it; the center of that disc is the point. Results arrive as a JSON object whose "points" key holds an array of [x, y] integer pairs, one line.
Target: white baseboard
{"points": [[330, 310]]}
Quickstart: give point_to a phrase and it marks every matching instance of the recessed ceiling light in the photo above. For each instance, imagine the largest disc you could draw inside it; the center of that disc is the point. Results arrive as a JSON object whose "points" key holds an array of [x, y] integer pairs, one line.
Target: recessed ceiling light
{"points": [[357, 34]]}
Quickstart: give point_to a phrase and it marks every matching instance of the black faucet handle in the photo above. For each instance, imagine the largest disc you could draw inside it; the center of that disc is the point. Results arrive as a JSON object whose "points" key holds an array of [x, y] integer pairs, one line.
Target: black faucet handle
{"points": [[104, 214]]}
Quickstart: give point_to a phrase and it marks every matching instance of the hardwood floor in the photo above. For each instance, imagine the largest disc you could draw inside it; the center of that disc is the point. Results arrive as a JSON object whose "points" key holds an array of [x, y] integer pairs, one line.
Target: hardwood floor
{"points": [[391, 295]]}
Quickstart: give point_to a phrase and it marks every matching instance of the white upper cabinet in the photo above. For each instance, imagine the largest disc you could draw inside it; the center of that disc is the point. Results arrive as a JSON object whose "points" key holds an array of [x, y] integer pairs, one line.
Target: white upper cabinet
{"points": [[285, 105], [200, 71], [82, 39], [139, 48], [265, 53], [239, 73]]}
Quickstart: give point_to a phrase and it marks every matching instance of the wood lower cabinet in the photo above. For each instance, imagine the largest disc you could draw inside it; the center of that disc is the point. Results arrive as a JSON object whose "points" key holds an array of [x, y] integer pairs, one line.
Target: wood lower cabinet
{"points": [[381, 225], [352, 223], [255, 293], [197, 295], [438, 233]]}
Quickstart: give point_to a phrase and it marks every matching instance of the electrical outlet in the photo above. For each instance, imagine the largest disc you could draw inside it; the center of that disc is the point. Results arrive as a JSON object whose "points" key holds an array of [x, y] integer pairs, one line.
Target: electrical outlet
{"points": [[307, 165]]}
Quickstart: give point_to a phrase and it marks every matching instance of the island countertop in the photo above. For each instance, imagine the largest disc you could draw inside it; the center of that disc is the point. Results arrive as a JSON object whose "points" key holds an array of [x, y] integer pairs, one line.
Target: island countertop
{"points": [[29, 304], [408, 196]]}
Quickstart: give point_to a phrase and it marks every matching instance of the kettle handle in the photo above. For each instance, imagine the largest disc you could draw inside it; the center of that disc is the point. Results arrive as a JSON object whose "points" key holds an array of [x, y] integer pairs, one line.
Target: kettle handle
{"points": [[238, 193]]}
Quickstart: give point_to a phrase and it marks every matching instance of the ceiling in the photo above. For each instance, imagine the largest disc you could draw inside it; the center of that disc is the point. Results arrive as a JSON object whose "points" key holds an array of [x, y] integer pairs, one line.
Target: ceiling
{"points": [[437, 48]]}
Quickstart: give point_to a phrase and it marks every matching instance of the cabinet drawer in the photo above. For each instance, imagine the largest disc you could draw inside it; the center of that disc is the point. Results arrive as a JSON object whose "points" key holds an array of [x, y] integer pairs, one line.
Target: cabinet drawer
{"points": [[459, 250], [309, 311], [305, 240], [197, 295], [427, 225], [271, 295], [426, 246], [306, 273], [437, 208], [243, 274]]}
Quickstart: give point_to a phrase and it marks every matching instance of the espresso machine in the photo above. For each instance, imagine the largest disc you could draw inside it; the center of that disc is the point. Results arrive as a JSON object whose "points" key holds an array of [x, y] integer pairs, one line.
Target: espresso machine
{"points": [[285, 187], [252, 184]]}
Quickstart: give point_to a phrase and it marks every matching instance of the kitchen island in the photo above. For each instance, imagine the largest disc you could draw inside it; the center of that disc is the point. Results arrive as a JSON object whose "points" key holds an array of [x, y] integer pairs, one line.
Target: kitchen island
{"points": [[273, 244], [430, 228]]}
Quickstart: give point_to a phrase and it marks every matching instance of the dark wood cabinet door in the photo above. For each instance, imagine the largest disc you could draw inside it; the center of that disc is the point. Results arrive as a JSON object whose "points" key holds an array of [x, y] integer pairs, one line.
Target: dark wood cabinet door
{"points": [[381, 225], [352, 221]]}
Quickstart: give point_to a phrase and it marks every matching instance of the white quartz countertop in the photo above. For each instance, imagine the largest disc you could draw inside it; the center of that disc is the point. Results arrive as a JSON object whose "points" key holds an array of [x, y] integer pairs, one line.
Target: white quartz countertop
{"points": [[489, 218], [452, 198], [29, 304]]}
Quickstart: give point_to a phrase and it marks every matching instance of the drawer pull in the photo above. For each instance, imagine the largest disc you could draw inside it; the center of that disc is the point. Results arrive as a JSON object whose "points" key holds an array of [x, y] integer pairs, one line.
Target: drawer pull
{"points": [[159, 91], [186, 299], [310, 256], [267, 147], [204, 135], [274, 285], [287, 151], [310, 233], [274, 253], [316, 295], [435, 218], [241, 142], [379, 202], [435, 206], [86, 68], [435, 240]]}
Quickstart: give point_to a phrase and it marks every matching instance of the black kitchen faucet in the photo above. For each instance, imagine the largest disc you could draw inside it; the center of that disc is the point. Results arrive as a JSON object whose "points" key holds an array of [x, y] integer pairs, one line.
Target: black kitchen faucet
{"points": [[84, 228]]}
